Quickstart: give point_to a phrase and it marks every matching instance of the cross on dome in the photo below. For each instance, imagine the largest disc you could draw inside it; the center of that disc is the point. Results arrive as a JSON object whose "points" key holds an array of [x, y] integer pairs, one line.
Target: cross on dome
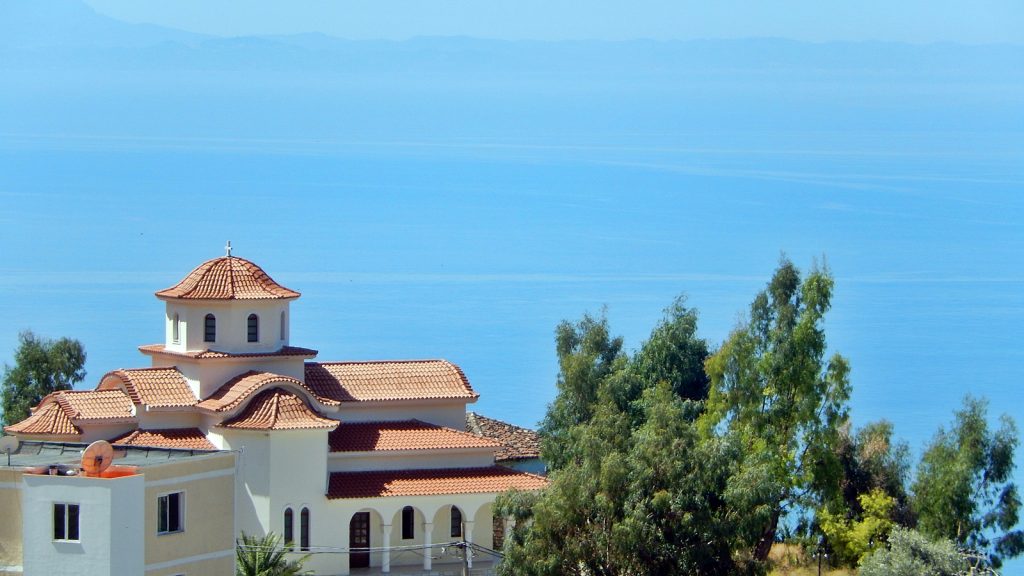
{"points": [[227, 249]]}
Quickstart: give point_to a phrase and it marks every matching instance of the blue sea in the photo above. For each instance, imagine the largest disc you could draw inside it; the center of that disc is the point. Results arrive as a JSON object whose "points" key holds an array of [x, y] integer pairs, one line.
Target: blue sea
{"points": [[460, 210]]}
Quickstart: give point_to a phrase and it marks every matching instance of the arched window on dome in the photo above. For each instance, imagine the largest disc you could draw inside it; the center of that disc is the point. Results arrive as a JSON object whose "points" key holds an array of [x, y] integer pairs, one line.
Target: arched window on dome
{"points": [[210, 328], [282, 325], [176, 329], [254, 328], [289, 528]]}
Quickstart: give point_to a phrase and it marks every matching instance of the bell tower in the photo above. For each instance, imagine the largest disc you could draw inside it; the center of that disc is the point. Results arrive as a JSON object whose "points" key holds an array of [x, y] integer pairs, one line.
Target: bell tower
{"points": [[229, 305]]}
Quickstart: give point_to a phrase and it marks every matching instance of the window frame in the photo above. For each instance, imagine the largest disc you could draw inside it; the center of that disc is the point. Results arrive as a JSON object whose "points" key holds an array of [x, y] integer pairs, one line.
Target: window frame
{"points": [[160, 513], [283, 324], [176, 329], [252, 328], [304, 522], [65, 525], [456, 529], [408, 523], [289, 528], [210, 327]]}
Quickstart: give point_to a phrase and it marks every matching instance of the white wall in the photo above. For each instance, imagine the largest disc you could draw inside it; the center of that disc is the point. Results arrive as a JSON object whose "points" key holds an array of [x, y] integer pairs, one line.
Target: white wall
{"points": [[206, 376], [110, 525], [161, 418], [450, 413], [232, 328], [252, 487], [410, 460]]}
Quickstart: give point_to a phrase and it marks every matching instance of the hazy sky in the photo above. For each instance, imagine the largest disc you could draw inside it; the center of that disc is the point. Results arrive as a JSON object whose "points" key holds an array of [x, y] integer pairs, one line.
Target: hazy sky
{"points": [[970, 21]]}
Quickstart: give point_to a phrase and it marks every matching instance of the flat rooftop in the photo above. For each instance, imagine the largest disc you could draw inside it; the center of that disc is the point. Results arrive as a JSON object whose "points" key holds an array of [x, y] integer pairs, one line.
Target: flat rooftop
{"points": [[32, 454]]}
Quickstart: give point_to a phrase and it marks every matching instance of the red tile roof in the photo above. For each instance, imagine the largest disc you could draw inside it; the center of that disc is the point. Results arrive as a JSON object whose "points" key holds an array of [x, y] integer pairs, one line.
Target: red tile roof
{"points": [[241, 387], [57, 411], [388, 380], [228, 278], [518, 443], [493, 479], [93, 404], [48, 419], [155, 387], [404, 435], [278, 409], [182, 438], [204, 354]]}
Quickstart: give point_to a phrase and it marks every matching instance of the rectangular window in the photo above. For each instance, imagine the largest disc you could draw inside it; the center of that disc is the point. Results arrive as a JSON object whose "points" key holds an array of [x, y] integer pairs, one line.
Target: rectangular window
{"points": [[170, 513], [65, 522], [408, 521]]}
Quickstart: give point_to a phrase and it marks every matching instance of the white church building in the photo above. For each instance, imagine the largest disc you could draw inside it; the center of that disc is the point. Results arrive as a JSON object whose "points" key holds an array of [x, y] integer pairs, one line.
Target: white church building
{"points": [[360, 464]]}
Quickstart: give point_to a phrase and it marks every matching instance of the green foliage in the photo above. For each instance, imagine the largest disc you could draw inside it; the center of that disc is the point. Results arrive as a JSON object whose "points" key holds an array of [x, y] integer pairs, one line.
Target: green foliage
{"points": [[871, 460], [964, 490], [587, 354], [264, 556], [772, 388], [850, 539], [41, 366], [911, 554], [656, 499], [674, 355]]}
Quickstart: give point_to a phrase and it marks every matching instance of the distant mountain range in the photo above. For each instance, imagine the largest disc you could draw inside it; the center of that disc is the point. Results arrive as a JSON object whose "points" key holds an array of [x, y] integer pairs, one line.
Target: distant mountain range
{"points": [[68, 33]]}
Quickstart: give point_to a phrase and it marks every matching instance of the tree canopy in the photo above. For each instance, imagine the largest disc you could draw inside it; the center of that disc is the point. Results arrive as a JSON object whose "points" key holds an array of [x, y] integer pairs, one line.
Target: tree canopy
{"points": [[41, 366], [964, 490], [911, 554], [772, 388]]}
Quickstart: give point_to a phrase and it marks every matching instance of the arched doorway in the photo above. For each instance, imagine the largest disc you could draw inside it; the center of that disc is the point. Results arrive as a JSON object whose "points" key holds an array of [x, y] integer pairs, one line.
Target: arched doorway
{"points": [[359, 538]]}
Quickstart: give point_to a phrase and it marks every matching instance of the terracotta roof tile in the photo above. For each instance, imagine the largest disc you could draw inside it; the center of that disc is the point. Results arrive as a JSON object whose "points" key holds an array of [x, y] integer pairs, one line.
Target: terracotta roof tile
{"points": [[493, 479], [93, 404], [388, 380], [48, 419], [518, 443], [155, 387], [404, 435], [204, 354], [228, 278], [181, 438], [241, 387], [278, 409]]}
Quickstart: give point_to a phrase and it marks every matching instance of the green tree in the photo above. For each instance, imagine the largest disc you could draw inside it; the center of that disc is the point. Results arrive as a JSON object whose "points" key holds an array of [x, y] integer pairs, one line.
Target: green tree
{"points": [[41, 366], [772, 388], [964, 489], [635, 487], [911, 554], [656, 499], [587, 354], [264, 556], [870, 460], [852, 539]]}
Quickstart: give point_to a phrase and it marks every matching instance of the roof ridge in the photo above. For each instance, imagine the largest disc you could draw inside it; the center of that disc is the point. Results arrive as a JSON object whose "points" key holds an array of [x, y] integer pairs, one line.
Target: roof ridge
{"points": [[391, 361]]}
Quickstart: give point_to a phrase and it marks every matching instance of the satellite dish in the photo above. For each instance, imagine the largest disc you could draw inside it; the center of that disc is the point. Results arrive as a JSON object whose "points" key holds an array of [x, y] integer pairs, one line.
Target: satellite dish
{"points": [[8, 445], [97, 458]]}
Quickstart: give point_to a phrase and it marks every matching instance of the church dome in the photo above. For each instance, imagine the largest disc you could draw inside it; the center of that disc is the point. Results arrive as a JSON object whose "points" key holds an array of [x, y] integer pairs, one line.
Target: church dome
{"points": [[227, 278]]}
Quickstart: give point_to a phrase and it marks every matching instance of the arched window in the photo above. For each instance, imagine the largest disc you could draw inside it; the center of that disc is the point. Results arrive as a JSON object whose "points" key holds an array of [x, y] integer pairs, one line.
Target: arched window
{"points": [[289, 528], [408, 523], [282, 325], [304, 527], [176, 329], [210, 328], [456, 522], [254, 328]]}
